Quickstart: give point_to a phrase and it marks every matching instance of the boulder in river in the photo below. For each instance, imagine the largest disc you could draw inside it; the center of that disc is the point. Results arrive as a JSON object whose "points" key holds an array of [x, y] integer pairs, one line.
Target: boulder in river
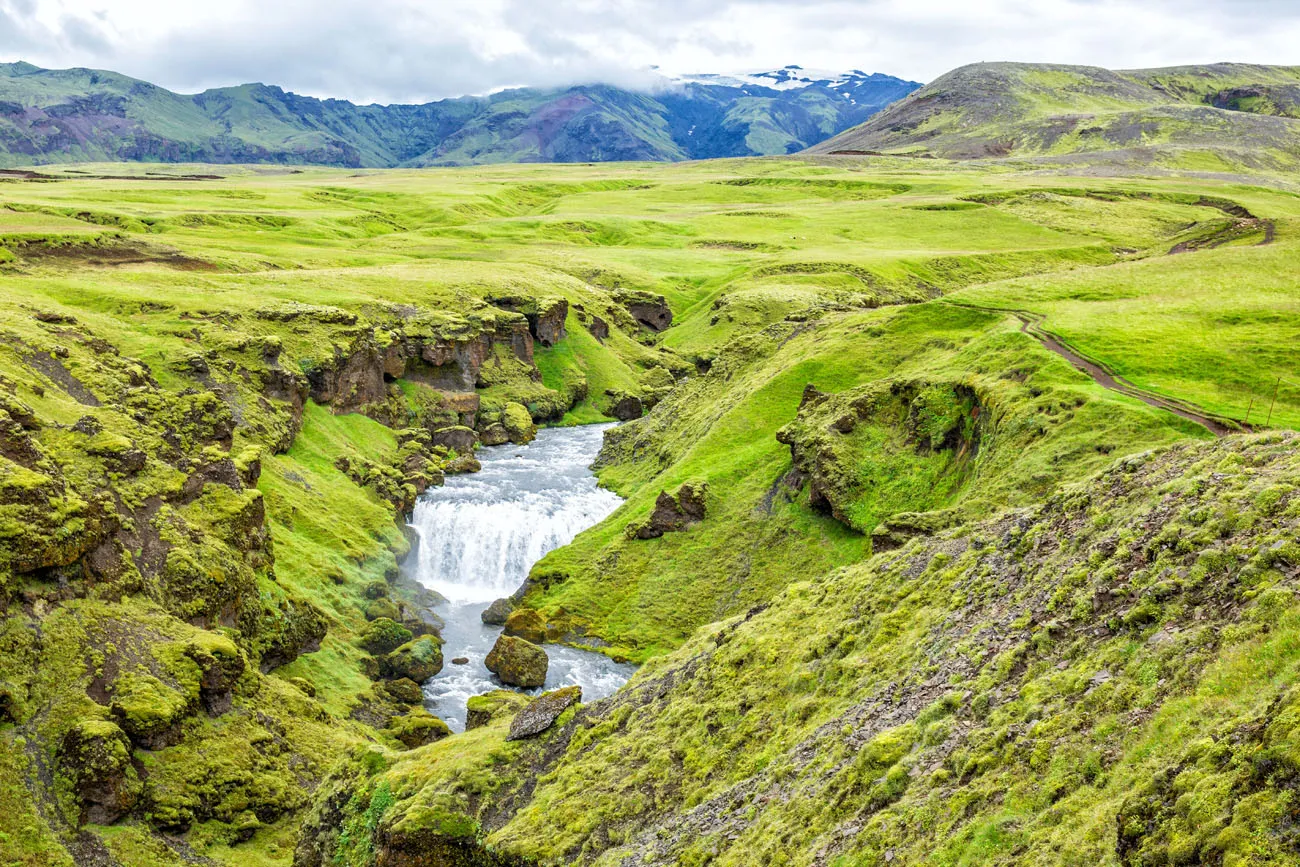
{"points": [[527, 624], [496, 613], [542, 712], [494, 435], [518, 423], [483, 709], [463, 464], [460, 660], [518, 662], [458, 437]]}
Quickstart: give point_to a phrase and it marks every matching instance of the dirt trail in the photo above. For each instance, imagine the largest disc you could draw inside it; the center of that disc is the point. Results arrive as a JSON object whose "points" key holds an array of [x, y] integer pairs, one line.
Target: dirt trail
{"points": [[1029, 324]]}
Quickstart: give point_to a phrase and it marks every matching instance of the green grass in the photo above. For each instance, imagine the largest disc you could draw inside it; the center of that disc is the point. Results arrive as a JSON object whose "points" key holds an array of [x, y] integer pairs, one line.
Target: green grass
{"points": [[888, 284]]}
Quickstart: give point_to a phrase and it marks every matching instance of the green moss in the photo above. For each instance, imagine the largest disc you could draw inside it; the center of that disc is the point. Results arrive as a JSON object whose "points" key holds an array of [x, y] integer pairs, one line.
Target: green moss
{"points": [[383, 635]]}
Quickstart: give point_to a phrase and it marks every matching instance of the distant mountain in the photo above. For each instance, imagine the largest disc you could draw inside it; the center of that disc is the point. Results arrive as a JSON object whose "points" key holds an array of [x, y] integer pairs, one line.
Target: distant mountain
{"points": [[1218, 116], [50, 116]]}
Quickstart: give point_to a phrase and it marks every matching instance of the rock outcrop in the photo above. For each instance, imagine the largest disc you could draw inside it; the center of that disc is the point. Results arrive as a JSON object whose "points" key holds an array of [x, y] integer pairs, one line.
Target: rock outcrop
{"points": [[498, 704], [418, 728], [673, 512], [545, 316], [624, 406], [96, 758], [648, 309], [527, 624], [542, 712], [518, 662]]}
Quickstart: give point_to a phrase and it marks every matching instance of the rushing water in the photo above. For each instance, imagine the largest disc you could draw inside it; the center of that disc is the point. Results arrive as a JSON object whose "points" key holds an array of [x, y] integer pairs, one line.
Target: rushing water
{"points": [[479, 536]]}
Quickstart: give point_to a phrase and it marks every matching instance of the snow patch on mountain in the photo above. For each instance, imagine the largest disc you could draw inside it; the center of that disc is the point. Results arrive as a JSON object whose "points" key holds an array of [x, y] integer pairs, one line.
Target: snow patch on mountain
{"points": [[790, 77]]}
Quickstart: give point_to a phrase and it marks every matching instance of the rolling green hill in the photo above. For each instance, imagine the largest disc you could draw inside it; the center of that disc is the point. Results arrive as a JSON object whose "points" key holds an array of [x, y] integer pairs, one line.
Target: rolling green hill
{"points": [[1220, 116], [57, 116]]}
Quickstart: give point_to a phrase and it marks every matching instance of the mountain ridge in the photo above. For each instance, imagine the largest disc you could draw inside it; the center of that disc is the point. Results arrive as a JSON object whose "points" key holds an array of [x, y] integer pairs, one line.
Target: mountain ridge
{"points": [[73, 115], [1238, 115]]}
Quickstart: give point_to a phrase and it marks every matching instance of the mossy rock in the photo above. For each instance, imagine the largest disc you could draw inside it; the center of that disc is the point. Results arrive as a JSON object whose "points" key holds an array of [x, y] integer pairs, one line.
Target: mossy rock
{"points": [[384, 636], [489, 707], [383, 607], [494, 434], [542, 712], [418, 659], [95, 757], [497, 613], [518, 662], [527, 624], [518, 423], [405, 690], [148, 710], [417, 728], [376, 590]]}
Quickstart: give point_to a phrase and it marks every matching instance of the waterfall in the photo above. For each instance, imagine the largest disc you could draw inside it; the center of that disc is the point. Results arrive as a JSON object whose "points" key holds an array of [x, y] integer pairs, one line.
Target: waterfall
{"points": [[480, 534]]}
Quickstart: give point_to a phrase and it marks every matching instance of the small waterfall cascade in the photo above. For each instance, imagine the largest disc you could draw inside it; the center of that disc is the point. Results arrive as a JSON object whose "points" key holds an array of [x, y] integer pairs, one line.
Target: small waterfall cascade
{"points": [[481, 533]]}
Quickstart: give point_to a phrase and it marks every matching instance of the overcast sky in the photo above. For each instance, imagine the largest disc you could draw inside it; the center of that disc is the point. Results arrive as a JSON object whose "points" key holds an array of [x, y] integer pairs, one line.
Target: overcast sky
{"points": [[419, 50]]}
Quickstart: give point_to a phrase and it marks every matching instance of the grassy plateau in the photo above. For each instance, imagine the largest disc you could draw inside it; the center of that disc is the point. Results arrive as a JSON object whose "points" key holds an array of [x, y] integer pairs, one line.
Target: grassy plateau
{"points": [[997, 562]]}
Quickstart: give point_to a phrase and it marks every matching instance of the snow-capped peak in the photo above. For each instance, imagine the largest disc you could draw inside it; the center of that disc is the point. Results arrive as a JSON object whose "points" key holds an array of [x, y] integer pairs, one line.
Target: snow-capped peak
{"points": [[786, 78]]}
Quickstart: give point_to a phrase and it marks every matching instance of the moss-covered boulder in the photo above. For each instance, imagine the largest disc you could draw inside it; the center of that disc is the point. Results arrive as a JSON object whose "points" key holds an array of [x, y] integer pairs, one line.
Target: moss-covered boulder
{"points": [[384, 636], [417, 728], [463, 440], [148, 710], [418, 660], [462, 464], [219, 666], [95, 759], [518, 423], [527, 624], [518, 662], [405, 690], [542, 712], [494, 434], [383, 607], [427, 835], [498, 704]]}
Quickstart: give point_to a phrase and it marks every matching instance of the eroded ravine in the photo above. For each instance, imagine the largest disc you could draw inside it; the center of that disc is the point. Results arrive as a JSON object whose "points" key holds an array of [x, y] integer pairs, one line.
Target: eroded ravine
{"points": [[478, 537]]}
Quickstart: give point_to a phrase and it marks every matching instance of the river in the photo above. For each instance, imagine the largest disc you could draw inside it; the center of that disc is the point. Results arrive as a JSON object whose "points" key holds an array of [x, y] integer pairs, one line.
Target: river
{"points": [[480, 533]]}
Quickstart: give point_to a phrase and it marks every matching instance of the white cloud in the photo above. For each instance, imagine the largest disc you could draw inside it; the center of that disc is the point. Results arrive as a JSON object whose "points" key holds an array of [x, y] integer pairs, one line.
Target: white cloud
{"points": [[409, 50]]}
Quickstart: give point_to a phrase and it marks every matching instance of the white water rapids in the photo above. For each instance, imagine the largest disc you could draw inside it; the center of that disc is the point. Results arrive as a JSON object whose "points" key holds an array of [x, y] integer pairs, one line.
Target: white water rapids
{"points": [[480, 534]]}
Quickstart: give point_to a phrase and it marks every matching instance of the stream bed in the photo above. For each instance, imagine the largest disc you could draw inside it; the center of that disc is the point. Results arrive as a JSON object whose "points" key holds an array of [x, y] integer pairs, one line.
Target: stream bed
{"points": [[480, 533]]}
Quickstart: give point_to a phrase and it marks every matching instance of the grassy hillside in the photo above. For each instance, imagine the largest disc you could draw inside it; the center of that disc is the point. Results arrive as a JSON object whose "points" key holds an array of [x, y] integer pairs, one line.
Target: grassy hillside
{"points": [[77, 115], [1221, 117], [223, 387]]}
